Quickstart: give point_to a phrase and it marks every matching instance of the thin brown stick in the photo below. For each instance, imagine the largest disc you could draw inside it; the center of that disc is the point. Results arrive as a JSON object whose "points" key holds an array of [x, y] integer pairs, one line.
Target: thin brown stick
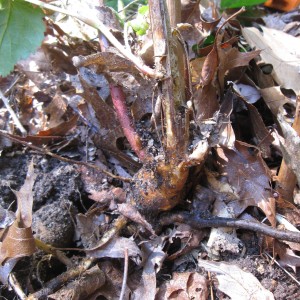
{"points": [[125, 275], [15, 285], [199, 223], [13, 114], [57, 282], [68, 160]]}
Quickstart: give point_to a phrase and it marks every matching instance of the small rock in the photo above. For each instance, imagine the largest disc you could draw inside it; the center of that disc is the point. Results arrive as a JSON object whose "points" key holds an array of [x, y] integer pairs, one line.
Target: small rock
{"points": [[53, 225]]}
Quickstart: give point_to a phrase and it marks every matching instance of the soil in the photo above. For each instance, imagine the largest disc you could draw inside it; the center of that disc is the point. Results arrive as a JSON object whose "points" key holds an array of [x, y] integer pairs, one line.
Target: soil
{"points": [[58, 195]]}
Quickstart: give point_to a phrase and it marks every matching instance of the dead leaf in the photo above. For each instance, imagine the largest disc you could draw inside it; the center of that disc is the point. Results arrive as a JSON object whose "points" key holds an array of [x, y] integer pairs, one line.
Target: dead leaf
{"points": [[288, 258], [18, 240], [154, 257], [61, 129], [56, 109], [236, 283], [189, 239], [263, 138], [206, 102], [209, 68], [290, 146], [114, 278], [115, 249], [247, 176], [6, 269], [274, 98], [107, 62], [131, 212], [279, 49], [6, 217], [184, 286], [232, 58]]}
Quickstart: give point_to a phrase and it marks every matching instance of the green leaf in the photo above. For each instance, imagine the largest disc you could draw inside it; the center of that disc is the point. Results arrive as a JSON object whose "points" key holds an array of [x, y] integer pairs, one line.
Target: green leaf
{"points": [[21, 32], [239, 3], [140, 24]]}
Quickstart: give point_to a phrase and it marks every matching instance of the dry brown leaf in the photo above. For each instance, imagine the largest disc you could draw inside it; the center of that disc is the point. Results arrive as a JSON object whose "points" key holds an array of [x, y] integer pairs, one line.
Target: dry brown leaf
{"points": [[56, 109], [184, 286], [6, 269], [260, 132], [107, 62], [115, 249], [279, 49], [189, 239], [236, 283], [290, 146], [18, 240], [131, 212], [274, 98], [232, 58], [154, 257], [287, 256], [25, 199], [206, 102], [61, 129], [249, 178], [209, 68]]}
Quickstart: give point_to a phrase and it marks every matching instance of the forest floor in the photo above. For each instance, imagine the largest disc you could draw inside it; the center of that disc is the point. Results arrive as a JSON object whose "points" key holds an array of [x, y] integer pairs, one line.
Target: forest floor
{"points": [[71, 191]]}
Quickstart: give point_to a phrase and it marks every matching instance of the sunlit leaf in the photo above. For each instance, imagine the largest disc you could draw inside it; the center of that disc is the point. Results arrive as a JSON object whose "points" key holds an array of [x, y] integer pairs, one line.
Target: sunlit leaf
{"points": [[239, 3], [21, 32]]}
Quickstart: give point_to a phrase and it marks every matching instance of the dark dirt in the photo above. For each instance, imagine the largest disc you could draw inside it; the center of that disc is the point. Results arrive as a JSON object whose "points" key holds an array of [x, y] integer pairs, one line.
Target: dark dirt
{"points": [[59, 195]]}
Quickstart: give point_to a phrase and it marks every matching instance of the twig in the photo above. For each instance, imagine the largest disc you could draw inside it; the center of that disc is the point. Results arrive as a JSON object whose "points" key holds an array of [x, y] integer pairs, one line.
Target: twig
{"points": [[55, 252], [95, 23], [68, 160], [283, 269], [13, 114], [199, 223], [54, 284], [125, 275], [13, 282]]}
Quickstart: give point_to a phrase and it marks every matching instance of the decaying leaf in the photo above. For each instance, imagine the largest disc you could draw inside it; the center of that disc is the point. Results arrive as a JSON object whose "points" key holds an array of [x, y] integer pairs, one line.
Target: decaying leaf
{"points": [[133, 214], [17, 239], [274, 98], [290, 146], [232, 58], [184, 286], [279, 49], [248, 177], [288, 258], [115, 248], [154, 257], [236, 283]]}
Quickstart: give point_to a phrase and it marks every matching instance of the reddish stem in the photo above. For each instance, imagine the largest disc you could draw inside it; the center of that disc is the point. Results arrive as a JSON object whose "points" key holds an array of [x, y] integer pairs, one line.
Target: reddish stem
{"points": [[125, 119]]}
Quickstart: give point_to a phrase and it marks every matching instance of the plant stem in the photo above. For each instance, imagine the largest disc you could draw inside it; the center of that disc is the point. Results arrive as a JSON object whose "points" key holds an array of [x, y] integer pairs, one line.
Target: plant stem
{"points": [[126, 121], [172, 89], [174, 9]]}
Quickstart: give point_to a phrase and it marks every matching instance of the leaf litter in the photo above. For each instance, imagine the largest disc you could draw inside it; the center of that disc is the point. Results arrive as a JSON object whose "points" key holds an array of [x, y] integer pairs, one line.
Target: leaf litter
{"points": [[232, 158]]}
